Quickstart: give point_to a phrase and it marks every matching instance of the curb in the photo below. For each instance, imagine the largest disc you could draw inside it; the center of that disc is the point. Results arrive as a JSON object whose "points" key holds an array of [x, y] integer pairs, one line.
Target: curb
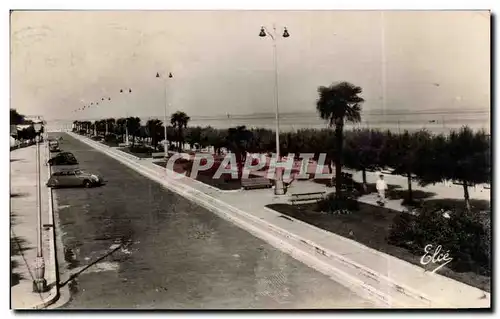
{"points": [[377, 287]]}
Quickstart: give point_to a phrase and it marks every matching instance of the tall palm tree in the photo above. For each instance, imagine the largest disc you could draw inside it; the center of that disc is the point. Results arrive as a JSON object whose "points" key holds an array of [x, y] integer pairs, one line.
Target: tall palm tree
{"points": [[179, 120], [339, 103]]}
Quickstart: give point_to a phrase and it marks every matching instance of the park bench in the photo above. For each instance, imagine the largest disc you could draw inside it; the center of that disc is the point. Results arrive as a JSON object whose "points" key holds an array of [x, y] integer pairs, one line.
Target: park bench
{"points": [[253, 183], [122, 144], [317, 196], [158, 155]]}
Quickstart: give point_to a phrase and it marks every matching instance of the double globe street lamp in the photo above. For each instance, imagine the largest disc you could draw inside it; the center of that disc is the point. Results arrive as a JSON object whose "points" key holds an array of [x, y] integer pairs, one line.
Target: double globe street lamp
{"points": [[165, 145], [278, 187], [126, 118]]}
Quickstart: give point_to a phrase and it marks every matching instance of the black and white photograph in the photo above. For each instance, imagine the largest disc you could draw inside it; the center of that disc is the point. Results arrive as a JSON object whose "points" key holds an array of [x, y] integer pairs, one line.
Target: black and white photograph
{"points": [[250, 159]]}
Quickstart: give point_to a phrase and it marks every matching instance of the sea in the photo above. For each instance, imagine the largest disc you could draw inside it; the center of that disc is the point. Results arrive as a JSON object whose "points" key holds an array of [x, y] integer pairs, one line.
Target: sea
{"points": [[436, 121]]}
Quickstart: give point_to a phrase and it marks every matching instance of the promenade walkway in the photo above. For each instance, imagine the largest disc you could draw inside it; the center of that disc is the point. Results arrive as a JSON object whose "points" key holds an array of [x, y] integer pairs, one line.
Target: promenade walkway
{"points": [[23, 230], [364, 270]]}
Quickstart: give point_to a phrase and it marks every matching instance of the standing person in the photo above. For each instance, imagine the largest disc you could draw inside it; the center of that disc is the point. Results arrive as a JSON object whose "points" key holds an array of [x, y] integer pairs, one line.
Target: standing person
{"points": [[381, 188]]}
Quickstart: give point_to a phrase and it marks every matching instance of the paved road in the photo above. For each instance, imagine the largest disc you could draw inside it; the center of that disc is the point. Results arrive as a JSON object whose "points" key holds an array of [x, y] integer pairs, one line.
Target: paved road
{"points": [[178, 255]]}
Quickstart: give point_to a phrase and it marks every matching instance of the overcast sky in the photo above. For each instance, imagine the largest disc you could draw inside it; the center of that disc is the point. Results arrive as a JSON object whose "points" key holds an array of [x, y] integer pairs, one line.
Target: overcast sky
{"points": [[61, 61]]}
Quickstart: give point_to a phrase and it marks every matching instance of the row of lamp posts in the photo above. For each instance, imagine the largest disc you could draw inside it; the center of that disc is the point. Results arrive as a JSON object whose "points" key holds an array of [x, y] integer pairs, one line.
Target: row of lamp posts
{"points": [[264, 32]]}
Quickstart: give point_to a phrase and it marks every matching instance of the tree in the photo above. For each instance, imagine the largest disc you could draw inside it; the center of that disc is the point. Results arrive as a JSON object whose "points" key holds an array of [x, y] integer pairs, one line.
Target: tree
{"points": [[193, 136], [120, 127], [470, 159], [339, 103], [179, 120], [133, 126], [15, 117], [406, 156], [238, 141], [433, 160], [154, 129], [100, 126], [214, 137], [110, 125], [362, 151]]}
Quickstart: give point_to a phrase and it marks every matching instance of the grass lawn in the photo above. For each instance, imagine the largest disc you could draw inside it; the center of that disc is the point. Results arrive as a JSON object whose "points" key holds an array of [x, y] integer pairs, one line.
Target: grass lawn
{"points": [[140, 155], [370, 226], [224, 182]]}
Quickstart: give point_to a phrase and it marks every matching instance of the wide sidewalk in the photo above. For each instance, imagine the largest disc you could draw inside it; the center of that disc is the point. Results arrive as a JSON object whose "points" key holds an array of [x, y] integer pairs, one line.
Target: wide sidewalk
{"points": [[23, 230], [396, 274]]}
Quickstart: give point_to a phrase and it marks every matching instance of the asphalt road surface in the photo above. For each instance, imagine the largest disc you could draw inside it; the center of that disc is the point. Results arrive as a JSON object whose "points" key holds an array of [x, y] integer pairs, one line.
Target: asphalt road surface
{"points": [[176, 255]]}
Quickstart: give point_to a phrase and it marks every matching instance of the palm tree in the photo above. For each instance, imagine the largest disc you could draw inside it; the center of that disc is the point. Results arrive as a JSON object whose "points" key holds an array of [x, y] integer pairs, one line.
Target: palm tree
{"points": [[179, 120], [339, 103], [154, 129], [238, 141]]}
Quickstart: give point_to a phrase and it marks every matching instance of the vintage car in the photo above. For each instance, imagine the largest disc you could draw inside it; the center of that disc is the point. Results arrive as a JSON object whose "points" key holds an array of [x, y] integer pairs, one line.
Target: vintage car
{"points": [[63, 158], [54, 146], [74, 178]]}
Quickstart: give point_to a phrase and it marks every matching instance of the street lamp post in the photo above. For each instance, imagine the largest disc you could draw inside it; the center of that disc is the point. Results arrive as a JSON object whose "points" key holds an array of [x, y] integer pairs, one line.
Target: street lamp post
{"points": [[126, 119], [39, 283], [165, 146], [278, 187]]}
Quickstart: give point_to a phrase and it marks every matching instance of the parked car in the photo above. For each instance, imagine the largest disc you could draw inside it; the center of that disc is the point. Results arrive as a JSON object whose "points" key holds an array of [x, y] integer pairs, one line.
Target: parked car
{"points": [[54, 146], [74, 178], [63, 158]]}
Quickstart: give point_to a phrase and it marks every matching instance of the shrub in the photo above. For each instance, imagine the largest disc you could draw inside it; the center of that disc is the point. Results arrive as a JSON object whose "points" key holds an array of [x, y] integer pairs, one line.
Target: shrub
{"points": [[464, 235], [345, 204], [140, 149], [111, 138]]}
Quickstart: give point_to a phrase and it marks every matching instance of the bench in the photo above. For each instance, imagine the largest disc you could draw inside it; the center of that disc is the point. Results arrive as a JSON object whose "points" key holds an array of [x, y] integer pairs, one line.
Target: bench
{"points": [[122, 144], [317, 196], [258, 182], [158, 155]]}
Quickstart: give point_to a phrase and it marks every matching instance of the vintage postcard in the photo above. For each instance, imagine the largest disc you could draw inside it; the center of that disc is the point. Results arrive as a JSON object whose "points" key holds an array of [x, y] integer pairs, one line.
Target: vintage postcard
{"points": [[203, 160]]}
